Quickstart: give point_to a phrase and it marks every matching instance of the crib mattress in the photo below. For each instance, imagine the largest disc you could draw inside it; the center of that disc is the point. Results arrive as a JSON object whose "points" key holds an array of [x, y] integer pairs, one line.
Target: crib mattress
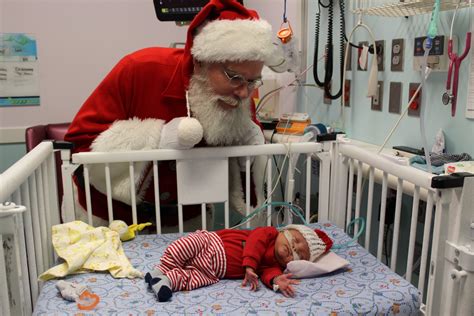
{"points": [[366, 287]]}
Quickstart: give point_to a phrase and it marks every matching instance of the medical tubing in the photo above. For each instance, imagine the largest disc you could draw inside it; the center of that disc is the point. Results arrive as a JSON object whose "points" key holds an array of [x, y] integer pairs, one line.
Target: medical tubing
{"points": [[433, 27], [360, 220], [425, 141], [424, 69], [263, 207]]}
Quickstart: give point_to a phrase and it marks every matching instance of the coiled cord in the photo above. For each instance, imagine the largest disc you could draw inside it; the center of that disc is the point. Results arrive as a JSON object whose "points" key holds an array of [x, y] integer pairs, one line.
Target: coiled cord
{"points": [[316, 49], [329, 50]]}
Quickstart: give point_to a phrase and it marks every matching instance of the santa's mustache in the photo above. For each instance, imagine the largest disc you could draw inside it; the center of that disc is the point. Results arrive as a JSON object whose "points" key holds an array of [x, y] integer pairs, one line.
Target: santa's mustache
{"points": [[235, 102]]}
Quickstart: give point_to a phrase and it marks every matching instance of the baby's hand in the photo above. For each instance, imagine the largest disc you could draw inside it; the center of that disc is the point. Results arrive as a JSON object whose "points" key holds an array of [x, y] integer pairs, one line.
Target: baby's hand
{"points": [[251, 278], [284, 283]]}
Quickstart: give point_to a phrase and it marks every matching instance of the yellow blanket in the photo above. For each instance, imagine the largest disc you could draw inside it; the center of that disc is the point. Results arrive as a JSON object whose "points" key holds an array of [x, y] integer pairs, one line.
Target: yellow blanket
{"points": [[85, 248]]}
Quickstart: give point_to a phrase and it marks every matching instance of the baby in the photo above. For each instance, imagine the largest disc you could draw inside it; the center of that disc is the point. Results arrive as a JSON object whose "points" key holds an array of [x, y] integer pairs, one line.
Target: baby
{"points": [[202, 258]]}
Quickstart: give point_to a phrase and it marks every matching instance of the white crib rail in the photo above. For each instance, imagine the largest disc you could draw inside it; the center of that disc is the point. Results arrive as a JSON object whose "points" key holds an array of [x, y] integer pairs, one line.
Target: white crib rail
{"points": [[31, 182], [354, 161], [218, 157]]}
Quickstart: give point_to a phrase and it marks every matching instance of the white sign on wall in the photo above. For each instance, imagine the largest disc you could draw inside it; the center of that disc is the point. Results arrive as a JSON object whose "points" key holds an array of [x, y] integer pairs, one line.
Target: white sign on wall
{"points": [[19, 83]]}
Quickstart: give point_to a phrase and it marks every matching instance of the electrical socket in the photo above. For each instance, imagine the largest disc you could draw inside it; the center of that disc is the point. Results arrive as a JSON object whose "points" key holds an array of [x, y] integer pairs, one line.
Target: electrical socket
{"points": [[377, 101], [359, 51], [395, 98], [347, 93], [398, 48], [414, 109], [380, 54]]}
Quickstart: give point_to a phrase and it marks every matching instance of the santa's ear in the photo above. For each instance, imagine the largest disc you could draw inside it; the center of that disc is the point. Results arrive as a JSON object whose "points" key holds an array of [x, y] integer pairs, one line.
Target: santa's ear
{"points": [[198, 66]]}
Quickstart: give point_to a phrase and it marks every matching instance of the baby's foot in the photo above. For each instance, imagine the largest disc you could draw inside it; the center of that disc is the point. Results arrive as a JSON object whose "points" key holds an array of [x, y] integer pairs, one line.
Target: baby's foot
{"points": [[161, 286]]}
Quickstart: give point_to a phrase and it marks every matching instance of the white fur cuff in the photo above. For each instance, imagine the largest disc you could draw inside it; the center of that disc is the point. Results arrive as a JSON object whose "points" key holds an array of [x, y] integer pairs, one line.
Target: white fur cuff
{"points": [[133, 134]]}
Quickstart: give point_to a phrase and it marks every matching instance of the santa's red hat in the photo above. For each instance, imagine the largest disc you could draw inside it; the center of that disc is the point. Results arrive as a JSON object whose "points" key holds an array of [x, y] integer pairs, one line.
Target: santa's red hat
{"points": [[224, 30]]}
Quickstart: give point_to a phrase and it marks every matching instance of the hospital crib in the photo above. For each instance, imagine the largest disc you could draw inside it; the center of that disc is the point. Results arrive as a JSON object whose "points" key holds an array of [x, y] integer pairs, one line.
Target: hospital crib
{"points": [[349, 174]]}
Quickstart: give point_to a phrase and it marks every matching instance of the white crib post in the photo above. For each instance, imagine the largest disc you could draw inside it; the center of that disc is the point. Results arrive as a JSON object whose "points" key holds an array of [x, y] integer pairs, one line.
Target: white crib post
{"points": [[67, 169], [445, 208], [11, 225], [5, 302], [458, 276], [324, 183], [339, 185]]}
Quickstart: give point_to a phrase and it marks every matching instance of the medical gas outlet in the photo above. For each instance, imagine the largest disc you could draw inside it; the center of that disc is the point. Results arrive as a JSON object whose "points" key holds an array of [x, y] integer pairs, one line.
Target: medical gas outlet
{"points": [[438, 58]]}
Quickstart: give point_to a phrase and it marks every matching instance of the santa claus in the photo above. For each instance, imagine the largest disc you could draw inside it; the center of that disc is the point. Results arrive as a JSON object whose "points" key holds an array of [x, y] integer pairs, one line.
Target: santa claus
{"points": [[142, 102]]}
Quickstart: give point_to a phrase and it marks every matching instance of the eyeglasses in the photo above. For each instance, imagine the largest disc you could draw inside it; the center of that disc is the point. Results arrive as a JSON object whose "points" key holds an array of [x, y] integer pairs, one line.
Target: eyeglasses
{"points": [[238, 81]]}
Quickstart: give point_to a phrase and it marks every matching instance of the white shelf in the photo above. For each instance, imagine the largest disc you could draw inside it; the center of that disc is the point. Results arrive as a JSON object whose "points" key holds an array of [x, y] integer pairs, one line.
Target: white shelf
{"points": [[408, 7]]}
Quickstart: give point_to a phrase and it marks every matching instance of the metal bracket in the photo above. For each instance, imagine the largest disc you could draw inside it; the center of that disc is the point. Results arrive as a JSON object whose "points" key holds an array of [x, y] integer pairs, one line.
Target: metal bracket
{"points": [[460, 256]]}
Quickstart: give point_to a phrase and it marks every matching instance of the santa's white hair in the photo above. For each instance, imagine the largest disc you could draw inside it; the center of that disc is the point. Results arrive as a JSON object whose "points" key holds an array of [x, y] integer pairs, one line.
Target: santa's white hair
{"points": [[222, 127]]}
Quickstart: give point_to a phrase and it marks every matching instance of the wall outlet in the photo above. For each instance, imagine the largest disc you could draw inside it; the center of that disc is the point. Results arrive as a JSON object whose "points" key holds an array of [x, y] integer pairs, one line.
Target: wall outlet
{"points": [[398, 48], [347, 93], [395, 97], [414, 109], [359, 51], [377, 101], [380, 54]]}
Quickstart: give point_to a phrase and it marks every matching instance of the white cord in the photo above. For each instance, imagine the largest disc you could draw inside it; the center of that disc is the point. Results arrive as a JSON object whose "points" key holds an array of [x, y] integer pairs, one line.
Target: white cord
{"points": [[273, 189], [452, 21], [373, 71]]}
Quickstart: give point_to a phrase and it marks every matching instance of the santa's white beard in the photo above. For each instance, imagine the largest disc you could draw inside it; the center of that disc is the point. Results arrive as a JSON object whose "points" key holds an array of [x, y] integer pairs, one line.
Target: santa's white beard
{"points": [[222, 127]]}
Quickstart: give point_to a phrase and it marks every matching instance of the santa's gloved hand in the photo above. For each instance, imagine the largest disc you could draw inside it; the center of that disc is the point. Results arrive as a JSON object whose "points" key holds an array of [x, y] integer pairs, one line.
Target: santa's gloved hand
{"points": [[253, 137], [181, 133]]}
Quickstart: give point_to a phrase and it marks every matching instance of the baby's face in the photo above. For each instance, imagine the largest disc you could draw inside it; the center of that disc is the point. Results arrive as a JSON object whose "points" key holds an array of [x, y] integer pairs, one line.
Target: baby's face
{"points": [[284, 250]]}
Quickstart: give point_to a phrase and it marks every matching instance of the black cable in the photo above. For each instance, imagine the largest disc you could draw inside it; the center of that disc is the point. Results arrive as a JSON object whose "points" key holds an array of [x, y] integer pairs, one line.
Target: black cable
{"points": [[316, 48]]}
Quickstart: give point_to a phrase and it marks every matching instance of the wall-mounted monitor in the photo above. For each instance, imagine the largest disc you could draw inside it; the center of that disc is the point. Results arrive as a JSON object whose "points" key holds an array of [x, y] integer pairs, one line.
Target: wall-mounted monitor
{"points": [[179, 10]]}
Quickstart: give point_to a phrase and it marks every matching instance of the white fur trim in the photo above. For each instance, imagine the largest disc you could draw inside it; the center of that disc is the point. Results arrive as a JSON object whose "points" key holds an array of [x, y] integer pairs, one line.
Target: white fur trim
{"points": [[234, 40], [133, 134]]}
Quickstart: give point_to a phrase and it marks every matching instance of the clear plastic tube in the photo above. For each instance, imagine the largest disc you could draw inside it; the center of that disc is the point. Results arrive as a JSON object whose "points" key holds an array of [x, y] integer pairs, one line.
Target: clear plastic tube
{"points": [[424, 71]]}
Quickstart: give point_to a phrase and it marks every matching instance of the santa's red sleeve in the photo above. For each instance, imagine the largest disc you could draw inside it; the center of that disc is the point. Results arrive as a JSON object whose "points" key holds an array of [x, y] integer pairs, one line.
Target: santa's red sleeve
{"points": [[105, 124], [107, 106]]}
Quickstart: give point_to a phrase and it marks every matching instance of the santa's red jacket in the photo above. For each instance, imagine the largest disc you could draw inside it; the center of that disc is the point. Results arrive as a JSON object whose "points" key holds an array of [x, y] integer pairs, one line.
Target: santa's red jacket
{"points": [[148, 85]]}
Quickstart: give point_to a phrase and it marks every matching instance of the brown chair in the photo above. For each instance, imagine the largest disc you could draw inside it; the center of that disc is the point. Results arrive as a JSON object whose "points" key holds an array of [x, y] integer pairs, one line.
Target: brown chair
{"points": [[36, 134]]}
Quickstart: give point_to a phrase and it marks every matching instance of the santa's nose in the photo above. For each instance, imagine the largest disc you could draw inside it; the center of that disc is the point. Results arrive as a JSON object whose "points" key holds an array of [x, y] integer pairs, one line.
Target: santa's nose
{"points": [[242, 91]]}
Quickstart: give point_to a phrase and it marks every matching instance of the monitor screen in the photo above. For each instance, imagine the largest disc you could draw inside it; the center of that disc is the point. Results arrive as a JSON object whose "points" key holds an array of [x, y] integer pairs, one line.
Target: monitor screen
{"points": [[179, 10]]}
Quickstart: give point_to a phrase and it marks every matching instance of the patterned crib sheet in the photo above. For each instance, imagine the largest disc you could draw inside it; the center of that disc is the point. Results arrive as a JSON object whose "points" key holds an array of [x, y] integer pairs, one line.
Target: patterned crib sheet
{"points": [[367, 287]]}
